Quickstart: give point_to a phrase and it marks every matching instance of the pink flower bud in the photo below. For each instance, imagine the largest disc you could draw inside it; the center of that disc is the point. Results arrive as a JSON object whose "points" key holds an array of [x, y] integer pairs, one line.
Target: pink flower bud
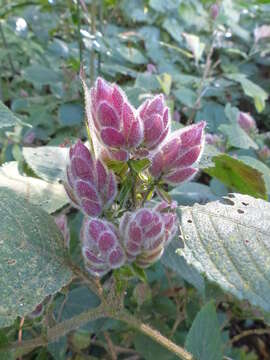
{"points": [[116, 123], [170, 219], [155, 117], [90, 185], [264, 153], [101, 247], [145, 233], [151, 69], [37, 312], [174, 161], [214, 11], [246, 122], [61, 222], [176, 116]]}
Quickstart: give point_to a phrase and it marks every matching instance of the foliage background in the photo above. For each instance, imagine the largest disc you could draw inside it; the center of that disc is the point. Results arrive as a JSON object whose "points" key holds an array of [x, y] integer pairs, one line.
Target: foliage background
{"points": [[43, 45]]}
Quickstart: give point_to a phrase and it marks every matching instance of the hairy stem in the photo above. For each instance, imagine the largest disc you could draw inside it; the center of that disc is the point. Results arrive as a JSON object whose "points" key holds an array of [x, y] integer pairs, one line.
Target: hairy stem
{"points": [[155, 335]]}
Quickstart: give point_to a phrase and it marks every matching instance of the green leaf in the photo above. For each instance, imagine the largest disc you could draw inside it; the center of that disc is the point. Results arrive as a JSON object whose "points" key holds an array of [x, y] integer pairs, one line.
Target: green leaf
{"points": [[186, 96], [165, 81], [50, 197], [237, 137], [238, 176], [139, 165], [41, 75], [119, 167], [178, 264], [251, 89], [7, 118], [195, 45], [71, 114], [32, 257], [204, 337], [260, 166], [191, 192], [48, 162], [228, 241]]}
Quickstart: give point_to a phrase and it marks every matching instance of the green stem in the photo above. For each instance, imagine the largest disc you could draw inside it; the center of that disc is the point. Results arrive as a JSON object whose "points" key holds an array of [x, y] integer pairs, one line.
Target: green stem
{"points": [[148, 192], [93, 33], [79, 32], [155, 335], [6, 46]]}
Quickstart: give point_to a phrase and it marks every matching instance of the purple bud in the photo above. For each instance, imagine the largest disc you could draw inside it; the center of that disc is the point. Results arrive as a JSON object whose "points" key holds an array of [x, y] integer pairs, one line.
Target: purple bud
{"points": [[174, 161], [101, 247], [29, 137], [246, 121], [144, 235], [155, 117], [37, 312], [90, 185], [151, 69], [214, 11], [61, 222], [176, 116], [169, 217], [264, 153], [116, 122]]}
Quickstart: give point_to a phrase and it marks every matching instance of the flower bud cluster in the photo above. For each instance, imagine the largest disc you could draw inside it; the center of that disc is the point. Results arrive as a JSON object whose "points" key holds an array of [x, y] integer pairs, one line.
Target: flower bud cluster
{"points": [[125, 133], [246, 122]]}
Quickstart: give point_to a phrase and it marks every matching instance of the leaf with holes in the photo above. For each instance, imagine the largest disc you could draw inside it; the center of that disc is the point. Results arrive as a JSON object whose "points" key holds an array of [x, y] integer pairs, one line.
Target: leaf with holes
{"points": [[238, 176], [229, 241], [32, 257]]}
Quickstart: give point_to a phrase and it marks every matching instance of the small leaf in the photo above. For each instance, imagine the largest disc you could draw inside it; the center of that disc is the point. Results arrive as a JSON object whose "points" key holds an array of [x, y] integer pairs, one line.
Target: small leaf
{"points": [[32, 257], [140, 165], [195, 45], [48, 162], [119, 167], [237, 137], [165, 81], [238, 176], [7, 118], [251, 89], [228, 241], [204, 337]]}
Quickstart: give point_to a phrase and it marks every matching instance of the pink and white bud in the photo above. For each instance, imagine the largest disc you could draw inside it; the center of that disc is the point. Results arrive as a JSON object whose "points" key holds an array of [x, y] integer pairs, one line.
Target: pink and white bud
{"points": [[101, 247], [214, 11], [144, 235], [170, 219], [116, 122], [175, 160], [155, 117], [264, 153], [61, 222], [90, 185], [246, 121]]}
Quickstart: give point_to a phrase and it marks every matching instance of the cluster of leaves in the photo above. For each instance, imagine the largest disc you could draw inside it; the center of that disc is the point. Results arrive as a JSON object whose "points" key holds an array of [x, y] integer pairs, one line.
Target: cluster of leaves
{"points": [[211, 63]]}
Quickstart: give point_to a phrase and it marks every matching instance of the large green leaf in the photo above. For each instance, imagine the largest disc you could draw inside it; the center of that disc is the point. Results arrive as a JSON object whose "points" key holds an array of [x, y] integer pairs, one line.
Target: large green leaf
{"points": [[50, 197], [7, 118], [238, 176], [48, 162], [204, 338], [229, 241], [32, 257]]}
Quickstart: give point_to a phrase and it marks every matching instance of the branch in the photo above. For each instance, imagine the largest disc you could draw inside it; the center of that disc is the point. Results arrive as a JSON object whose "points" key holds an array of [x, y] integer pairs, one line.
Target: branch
{"points": [[57, 331], [155, 335], [248, 333]]}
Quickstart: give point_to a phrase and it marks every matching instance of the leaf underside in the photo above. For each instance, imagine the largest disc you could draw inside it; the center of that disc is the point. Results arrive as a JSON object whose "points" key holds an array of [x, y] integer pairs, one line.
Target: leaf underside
{"points": [[229, 241], [32, 257]]}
